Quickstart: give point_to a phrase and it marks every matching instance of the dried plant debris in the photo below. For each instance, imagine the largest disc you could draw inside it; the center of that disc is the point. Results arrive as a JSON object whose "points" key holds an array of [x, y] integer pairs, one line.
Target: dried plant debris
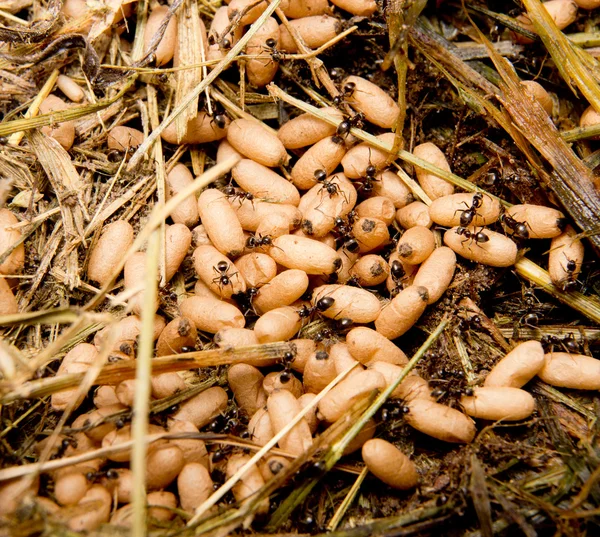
{"points": [[299, 267]]}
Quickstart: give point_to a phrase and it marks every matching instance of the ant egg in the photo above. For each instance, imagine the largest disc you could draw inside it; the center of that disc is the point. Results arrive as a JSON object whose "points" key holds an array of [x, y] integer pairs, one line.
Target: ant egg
{"points": [[537, 91], [260, 428], [63, 133], [375, 103], [575, 371], [402, 312], [166, 385], [389, 464], [440, 421], [257, 269], [368, 346], [434, 186], [377, 207], [314, 31], [221, 222], [518, 367], [311, 256], [319, 371], [194, 486], [199, 130], [355, 303], [14, 262], [186, 212], [134, 273], [249, 9], [262, 69], [249, 484], [412, 387], [201, 409], [563, 12], [254, 141], [297, 10], [166, 47], [590, 118], [497, 251], [274, 381], [116, 238], [348, 392], [179, 333], [436, 273], [124, 138], [279, 324], [542, 222], [343, 360], [497, 403], [283, 407], [283, 290], [371, 233], [264, 182], [565, 259], [361, 156], [370, 270], [389, 185], [306, 129], [252, 213], [326, 155], [70, 88], [416, 245], [449, 210], [96, 512], [178, 239], [211, 314], [414, 214], [246, 383]]}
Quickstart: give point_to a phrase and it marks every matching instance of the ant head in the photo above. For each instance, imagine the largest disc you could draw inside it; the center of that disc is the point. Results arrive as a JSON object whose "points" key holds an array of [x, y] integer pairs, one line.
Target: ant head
{"points": [[338, 100], [349, 88], [251, 242], [521, 231], [220, 120], [320, 175], [226, 43], [252, 291], [531, 319]]}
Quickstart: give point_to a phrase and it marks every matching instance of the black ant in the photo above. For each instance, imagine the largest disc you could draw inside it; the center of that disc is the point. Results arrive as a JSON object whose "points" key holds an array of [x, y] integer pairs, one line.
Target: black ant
{"points": [[245, 300], [478, 237], [233, 194], [468, 214], [519, 229], [347, 91], [109, 474], [370, 176], [259, 241], [328, 186], [397, 273], [569, 342], [343, 232], [454, 385], [355, 121], [219, 117], [223, 279], [276, 55], [569, 282], [323, 304], [62, 448]]}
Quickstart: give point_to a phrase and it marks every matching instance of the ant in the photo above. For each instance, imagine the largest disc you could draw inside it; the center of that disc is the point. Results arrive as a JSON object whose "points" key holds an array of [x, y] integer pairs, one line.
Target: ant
{"points": [[569, 282], [219, 117], [479, 237], [260, 241], [468, 214], [223, 278], [397, 273], [370, 176], [355, 121], [343, 231], [519, 229], [233, 194], [328, 186], [347, 91], [323, 304], [569, 342], [245, 299], [109, 474], [62, 448], [276, 55]]}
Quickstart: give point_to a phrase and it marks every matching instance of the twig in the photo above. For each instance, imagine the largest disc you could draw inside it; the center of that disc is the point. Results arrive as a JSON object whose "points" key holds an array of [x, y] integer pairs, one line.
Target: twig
{"points": [[341, 510]]}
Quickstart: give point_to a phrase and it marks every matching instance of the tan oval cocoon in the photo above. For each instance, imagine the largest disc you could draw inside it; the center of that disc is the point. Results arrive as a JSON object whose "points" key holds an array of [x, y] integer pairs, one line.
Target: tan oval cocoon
{"points": [[447, 210], [63, 133], [94, 514], [440, 421], [360, 8], [416, 245], [436, 273], [296, 9], [414, 214], [389, 185], [257, 269], [116, 239], [498, 403], [211, 315], [315, 31], [254, 141], [124, 138], [246, 383], [356, 161], [355, 303], [279, 324], [386, 462], [575, 371], [250, 483], [187, 211], [8, 302], [434, 186], [166, 47], [283, 290], [370, 270], [376, 104], [378, 207], [402, 312], [202, 408], [542, 222], [498, 251], [252, 213], [14, 263], [264, 182], [260, 428], [537, 91], [348, 392], [194, 485], [262, 69], [307, 129], [518, 367], [70, 88], [221, 222], [178, 239], [412, 387], [564, 248], [319, 371], [311, 256], [367, 346], [326, 155], [179, 333], [283, 407], [163, 466], [199, 130]]}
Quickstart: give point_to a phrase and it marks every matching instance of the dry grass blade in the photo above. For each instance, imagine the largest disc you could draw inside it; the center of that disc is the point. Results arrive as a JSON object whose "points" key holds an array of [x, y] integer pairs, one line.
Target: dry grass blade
{"points": [[190, 43], [115, 373], [575, 66], [68, 188], [343, 508], [480, 497]]}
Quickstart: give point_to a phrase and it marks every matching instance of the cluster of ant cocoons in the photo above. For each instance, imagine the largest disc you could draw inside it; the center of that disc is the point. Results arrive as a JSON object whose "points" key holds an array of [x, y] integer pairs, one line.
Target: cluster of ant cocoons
{"points": [[281, 253]]}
